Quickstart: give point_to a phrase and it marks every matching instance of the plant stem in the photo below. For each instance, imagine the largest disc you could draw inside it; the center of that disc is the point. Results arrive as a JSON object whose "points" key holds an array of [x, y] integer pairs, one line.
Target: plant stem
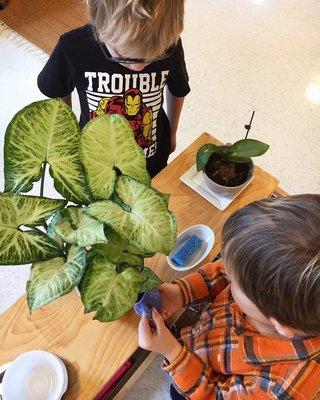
{"points": [[248, 127], [42, 178]]}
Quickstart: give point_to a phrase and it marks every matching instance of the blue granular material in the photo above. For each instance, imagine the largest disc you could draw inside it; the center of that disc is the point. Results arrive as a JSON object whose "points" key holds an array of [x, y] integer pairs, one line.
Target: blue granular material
{"points": [[186, 251]]}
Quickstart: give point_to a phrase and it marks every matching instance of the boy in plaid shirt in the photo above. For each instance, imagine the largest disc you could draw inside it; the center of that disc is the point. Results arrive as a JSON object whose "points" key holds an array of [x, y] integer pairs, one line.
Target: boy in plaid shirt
{"points": [[259, 338]]}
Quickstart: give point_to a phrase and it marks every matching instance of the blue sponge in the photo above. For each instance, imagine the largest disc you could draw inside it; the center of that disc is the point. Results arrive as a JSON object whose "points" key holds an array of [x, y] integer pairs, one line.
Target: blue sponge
{"points": [[186, 251]]}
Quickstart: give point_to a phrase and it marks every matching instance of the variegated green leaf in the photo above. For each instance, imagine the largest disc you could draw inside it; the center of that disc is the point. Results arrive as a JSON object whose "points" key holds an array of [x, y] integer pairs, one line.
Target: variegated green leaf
{"points": [[122, 266], [151, 280], [46, 131], [145, 223], [53, 235], [25, 245], [108, 293], [75, 227], [108, 144], [54, 278], [118, 250]]}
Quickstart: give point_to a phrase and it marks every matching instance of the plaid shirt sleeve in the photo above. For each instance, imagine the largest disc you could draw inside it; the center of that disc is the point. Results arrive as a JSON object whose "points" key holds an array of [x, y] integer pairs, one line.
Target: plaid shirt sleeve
{"points": [[205, 284], [196, 381]]}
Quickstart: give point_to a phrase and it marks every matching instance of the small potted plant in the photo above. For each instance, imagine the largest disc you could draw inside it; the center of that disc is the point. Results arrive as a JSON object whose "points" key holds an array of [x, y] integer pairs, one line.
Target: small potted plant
{"points": [[228, 168]]}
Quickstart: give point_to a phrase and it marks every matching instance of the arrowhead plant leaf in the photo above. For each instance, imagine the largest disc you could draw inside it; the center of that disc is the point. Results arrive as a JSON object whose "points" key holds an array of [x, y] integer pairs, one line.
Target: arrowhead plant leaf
{"points": [[46, 131], [148, 225], [117, 250], [23, 246], [49, 280], [75, 227], [151, 282], [108, 145], [109, 293]]}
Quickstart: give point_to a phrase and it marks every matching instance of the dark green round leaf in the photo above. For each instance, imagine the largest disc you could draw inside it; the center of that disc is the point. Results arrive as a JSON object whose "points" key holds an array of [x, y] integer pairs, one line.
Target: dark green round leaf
{"points": [[204, 153], [246, 148]]}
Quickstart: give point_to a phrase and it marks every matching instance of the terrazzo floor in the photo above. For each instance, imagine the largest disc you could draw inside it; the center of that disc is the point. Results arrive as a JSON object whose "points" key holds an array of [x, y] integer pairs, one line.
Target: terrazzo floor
{"points": [[242, 55]]}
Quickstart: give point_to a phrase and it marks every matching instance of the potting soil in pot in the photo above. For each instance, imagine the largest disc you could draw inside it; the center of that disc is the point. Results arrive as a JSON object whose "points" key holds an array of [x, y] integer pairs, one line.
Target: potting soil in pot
{"points": [[227, 173]]}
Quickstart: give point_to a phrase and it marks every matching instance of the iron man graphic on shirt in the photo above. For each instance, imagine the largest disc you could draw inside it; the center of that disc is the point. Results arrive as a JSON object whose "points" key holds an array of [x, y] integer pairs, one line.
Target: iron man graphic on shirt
{"points": [[131, 107], [136, 96]]}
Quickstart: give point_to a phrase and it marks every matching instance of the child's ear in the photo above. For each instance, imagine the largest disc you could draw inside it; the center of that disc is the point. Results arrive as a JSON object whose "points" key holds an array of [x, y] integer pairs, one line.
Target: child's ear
{"points": [[282, 329]]}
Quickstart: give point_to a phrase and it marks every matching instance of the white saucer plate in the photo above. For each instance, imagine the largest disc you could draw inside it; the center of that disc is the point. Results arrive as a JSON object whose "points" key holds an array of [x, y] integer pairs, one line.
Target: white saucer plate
{"points": [[195, 180], [35, 375]]}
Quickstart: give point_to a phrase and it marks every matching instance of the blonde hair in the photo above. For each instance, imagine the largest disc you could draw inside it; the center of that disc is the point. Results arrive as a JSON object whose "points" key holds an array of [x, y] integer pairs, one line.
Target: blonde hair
{"points": [[271, 248], [138, 28]]}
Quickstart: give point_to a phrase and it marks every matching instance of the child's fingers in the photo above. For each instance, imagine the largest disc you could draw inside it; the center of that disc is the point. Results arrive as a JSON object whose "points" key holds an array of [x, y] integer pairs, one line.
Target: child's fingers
{"points": [[157, 319], [144, 329]]}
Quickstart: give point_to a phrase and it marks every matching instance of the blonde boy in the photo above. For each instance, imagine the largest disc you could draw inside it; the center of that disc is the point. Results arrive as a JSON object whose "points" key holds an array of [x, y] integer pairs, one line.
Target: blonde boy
{"points": [[259, 337], [121, 63]]}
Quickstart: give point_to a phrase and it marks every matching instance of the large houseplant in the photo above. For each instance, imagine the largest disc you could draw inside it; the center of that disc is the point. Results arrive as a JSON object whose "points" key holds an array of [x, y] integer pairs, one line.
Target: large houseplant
{"points": [[229, 167], [110, 219]]}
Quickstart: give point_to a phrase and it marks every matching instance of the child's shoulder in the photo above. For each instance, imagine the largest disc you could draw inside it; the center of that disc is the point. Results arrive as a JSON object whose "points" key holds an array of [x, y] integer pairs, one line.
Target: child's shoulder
{"points": [[85, 32]]}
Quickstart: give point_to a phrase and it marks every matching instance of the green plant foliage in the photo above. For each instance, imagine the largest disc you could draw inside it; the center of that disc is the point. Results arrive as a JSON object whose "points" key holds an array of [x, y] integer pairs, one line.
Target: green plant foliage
{"points": [[151, 282], [240, 152], [246, 148], [108, 146], [109, 293], [118, 251], [45, 132], [75, 227], [21, 246], [204, 153], [103, 245], [147, 224], [54, 278]]}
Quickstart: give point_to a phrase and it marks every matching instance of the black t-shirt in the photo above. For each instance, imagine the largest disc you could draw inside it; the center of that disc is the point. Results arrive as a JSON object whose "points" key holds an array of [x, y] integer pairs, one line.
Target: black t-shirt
{"points": [[79, 62]]}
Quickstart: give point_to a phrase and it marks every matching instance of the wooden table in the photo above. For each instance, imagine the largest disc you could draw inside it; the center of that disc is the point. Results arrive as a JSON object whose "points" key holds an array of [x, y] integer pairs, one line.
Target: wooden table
{"points": [[94, 351]]}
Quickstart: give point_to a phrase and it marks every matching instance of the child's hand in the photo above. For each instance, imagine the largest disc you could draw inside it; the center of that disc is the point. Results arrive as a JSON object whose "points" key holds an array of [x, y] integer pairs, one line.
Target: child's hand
{"points": [[157, 337], [172, 299]]}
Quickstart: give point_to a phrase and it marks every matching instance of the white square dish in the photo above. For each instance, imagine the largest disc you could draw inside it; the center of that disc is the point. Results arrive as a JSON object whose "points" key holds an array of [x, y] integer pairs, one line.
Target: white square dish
{"points": [[195, 180]]}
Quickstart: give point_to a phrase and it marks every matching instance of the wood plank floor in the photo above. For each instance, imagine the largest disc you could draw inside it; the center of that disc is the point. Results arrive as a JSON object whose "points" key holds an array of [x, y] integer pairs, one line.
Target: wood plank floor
{"points": [[43, 21]]}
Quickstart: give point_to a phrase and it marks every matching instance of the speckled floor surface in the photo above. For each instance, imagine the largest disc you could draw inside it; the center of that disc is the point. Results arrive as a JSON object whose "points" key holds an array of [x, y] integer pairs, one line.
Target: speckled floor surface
{"points": [[242, 55]]}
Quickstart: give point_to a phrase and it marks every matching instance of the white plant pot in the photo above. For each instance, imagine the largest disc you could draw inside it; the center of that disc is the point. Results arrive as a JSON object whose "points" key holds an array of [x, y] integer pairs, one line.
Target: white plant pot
{"points": [[225, 190]]}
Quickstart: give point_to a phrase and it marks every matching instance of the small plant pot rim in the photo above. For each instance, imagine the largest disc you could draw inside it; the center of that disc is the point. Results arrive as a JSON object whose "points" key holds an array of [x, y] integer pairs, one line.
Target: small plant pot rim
{"points": [[226, 190]]}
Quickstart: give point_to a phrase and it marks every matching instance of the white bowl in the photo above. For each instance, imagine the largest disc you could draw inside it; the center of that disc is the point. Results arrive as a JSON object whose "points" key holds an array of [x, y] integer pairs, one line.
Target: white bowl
{"points": [[204, 233], [35, 375]]}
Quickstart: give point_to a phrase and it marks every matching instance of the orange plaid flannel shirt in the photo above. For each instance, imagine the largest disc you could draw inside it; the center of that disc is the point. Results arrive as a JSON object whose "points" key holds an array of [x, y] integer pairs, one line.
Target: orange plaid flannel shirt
{"points": [[224, 357]]}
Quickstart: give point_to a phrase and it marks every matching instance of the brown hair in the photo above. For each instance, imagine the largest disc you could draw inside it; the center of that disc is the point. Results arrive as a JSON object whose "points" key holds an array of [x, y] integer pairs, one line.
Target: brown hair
{"points": [[138, 28], [272, 250]]}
